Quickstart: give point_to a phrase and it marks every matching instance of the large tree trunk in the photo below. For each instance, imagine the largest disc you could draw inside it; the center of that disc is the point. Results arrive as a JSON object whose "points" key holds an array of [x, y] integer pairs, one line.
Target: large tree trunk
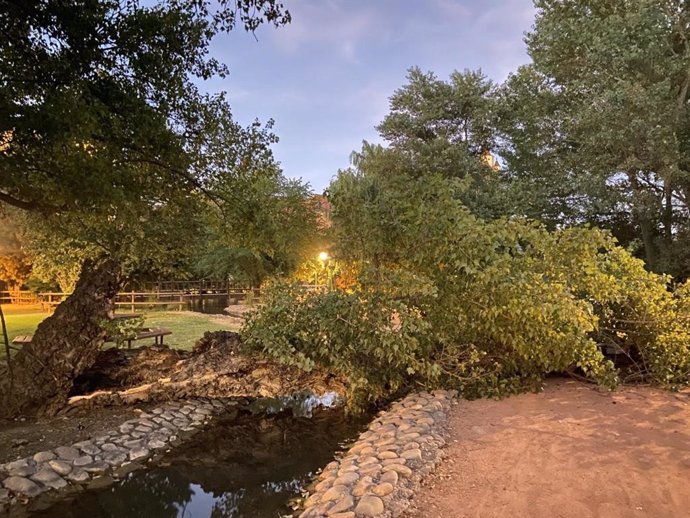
{"points": [[64, 345]]}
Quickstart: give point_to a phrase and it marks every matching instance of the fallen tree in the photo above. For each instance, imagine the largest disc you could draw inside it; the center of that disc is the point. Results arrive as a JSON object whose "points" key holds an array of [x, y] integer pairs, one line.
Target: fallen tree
{"points": [[64, 345]]}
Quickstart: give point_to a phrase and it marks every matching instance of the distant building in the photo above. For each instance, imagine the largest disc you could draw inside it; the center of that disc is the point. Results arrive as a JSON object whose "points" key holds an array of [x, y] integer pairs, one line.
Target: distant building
{"points": [[488, 159], [322, 207]]}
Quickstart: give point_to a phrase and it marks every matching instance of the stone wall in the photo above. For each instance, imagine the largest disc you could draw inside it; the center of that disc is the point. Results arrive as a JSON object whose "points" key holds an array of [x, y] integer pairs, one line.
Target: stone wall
{"points": [[99, 461], [379, 473]]}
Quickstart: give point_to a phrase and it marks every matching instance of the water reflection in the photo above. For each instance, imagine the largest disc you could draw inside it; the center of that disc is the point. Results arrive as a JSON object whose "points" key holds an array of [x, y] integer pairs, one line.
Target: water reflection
{"points": [[250, 467]]}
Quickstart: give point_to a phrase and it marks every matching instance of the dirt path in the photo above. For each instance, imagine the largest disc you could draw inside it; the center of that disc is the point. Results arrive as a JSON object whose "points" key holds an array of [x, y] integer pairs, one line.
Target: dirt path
{"points": [[568, 452]]}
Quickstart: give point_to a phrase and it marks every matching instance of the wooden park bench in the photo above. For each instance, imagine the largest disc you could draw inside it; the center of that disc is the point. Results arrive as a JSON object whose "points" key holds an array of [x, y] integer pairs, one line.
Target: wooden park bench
{"points": [[157, 333]]}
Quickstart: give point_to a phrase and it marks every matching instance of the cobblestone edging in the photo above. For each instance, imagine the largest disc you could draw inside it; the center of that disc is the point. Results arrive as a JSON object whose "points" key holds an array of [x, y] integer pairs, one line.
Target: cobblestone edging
{"points": [[379, 473], [108, 456]]}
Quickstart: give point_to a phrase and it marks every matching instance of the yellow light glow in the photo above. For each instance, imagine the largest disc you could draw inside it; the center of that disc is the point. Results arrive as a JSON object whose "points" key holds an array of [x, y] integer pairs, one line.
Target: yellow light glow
{"points": [[323, 256]]}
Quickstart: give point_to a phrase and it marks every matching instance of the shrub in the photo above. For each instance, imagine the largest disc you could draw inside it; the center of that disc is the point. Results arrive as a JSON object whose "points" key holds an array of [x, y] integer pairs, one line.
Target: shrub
{"points": [[443, 298]]}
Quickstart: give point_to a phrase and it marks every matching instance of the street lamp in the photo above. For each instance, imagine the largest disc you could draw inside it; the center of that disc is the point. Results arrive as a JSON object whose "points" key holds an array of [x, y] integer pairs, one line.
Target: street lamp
{"points": [[323, 256]]}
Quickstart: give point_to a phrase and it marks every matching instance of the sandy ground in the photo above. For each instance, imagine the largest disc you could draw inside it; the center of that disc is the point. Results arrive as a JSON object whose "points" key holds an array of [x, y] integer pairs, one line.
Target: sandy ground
{"points": [[568, 452]]}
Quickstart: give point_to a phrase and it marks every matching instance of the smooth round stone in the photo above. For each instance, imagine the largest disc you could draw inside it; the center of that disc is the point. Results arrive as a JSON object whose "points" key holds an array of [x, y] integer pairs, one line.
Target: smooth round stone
{"points": [[334, 493], [413, 454], [67, 452], [383, 489], [78, 475], [344, 504], [157, 411], [348, 514], [97, 468], [369, 505], [312, 500], [361, 488], [383, 455], [388, 462], [385, 442], [20, 468], [22, 486], [114, 458], [60, 467], [371, 470], [109, 446], [82, 461], [156, 444], [347, 469], [143, 429], [408, 436], [49, 478], [368, 460], [324, 484], [399, 468], [90, 449], [357, 448], [411, 445], [346, 479], [390, 476], [139, 453], [43, 456]]}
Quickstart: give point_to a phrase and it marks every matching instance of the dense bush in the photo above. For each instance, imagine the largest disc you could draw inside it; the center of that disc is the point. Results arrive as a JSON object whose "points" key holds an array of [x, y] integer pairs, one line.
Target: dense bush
{"points": [[443, 298]]}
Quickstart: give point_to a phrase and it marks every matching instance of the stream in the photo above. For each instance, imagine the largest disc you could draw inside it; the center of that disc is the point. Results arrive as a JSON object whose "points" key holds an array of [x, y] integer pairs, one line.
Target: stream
{"points": [[248, 466]]}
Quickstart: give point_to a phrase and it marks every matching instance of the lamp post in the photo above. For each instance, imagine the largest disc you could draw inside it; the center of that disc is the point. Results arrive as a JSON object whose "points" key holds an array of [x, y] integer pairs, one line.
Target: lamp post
{"points": [[323, 258]]}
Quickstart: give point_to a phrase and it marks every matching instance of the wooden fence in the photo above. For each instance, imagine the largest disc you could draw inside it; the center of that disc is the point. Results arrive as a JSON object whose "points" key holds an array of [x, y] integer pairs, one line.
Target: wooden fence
{"points": [[179, 299]]}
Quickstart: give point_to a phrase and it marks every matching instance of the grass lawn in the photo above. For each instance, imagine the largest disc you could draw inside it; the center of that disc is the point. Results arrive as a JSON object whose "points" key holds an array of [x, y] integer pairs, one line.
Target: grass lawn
{"points": [[187, 327]]}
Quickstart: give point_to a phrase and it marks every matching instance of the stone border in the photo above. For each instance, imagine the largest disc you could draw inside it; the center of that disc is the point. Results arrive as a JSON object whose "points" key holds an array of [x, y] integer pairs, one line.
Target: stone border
{"points": [[380, 472], [98, 461]]}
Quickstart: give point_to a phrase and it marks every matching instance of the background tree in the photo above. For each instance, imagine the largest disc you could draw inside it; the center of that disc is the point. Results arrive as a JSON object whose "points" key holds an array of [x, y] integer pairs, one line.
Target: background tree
{"points": [[443, 127], [596, 128], [104, 133]]}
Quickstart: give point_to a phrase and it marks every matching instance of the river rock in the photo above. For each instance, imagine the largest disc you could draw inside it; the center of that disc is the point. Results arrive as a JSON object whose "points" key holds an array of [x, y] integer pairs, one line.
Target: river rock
{"points": [[369, 505], [78, 475], [43, 456], [390, 476], [114, 458], [334, 493], [22, 485], [49, 478], [60, 467], [82, 461], [138, 454], [347, 479], [344, 504], [67, 452], [96, 468], [20, 468], [383, 489]]}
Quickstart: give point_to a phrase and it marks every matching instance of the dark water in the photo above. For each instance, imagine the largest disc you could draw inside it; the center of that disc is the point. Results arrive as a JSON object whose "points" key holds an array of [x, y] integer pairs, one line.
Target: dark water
{"points": [[209, 304], [248, 467]]}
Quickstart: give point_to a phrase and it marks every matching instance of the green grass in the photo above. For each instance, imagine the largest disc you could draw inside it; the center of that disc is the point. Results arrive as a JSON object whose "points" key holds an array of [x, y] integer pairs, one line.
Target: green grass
{"points": [[186, 327]]}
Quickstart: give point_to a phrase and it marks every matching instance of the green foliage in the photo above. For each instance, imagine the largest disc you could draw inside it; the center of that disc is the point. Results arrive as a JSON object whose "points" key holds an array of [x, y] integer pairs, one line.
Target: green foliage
{"points": [[121, 330], [106, 139], [595, 129], [444, 298], [374, 340]]}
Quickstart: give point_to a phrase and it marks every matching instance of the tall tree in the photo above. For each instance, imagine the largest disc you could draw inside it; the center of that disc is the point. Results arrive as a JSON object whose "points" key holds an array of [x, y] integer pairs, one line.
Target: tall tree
{"points": [[599, 122], [102, 129]]}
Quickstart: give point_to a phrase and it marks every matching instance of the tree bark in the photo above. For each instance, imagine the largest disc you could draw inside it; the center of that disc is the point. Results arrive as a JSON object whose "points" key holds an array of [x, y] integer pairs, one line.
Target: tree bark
{"points": [[64, 345]]}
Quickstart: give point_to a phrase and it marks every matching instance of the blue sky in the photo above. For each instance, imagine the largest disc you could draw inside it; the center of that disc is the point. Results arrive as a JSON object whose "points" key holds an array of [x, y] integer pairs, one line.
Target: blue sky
{"points": [[326, 78]]}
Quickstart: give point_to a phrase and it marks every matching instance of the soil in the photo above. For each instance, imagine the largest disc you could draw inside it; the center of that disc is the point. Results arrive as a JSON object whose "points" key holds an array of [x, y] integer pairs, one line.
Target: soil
{"points": [[570, 451], [22, 438]]}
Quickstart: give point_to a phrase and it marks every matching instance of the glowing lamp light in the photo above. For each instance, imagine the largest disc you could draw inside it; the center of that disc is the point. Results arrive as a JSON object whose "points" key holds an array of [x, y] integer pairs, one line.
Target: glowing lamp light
{"points": [[323, 256]]}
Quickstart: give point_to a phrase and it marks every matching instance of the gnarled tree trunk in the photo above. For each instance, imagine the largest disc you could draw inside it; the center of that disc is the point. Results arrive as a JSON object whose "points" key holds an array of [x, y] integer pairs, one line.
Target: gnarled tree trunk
{"points": [[64, 345]]}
